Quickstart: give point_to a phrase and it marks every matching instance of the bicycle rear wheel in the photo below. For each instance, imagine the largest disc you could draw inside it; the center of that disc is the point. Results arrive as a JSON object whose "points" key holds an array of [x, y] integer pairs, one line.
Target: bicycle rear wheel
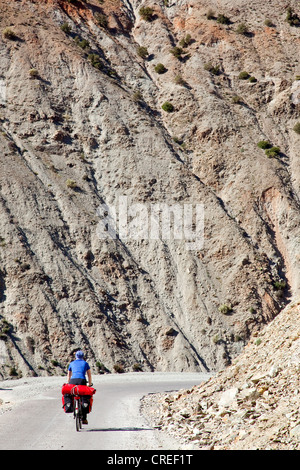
{"points": [[78, 416]]}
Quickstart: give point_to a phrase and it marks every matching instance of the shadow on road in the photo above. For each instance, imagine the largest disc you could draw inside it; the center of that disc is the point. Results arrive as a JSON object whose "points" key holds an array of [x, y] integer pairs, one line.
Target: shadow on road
{"points": [[119, 429]]}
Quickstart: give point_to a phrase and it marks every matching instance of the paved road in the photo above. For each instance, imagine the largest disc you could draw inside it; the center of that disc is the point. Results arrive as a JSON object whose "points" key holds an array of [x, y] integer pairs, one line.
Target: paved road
{"points": [[114, 424]]}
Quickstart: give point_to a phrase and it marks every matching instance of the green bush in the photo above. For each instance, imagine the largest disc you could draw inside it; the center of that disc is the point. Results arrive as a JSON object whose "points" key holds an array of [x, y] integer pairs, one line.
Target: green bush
{"points": [[66, 28], [33, 73], [272, 152], [146, 13], [185, 42], [168, 107], [269, 23], [244, 75], [242, 29], [9, 34], [222, 19], [142, 52], [296, 128], [225, 309], [264, 144], [292, 18], [177, 52], [95, 61], [160, 68], [214, 69], [71, 184], [210, 15], [101, 20]]}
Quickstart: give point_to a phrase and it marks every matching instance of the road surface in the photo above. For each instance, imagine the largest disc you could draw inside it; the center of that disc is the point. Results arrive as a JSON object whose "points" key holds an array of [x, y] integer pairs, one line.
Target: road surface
{"points": [[31, 416]]}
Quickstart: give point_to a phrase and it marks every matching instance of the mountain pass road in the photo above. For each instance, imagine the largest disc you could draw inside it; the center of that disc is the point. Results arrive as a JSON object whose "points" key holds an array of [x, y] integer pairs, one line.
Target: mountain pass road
{"points": [[32, 418]]}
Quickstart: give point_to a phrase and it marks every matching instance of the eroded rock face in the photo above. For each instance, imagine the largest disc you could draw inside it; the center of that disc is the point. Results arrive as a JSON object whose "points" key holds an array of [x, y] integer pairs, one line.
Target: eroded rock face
{"points": [[83, 129], [251, 405]]}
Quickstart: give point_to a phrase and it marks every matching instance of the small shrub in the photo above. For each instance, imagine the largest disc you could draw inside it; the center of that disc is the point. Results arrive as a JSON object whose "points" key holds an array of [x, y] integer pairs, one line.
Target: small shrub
{"points": [[137, 96], [33, 73], [160, 68], [292, 18], [225, 309], [177, 52], [101, 20], [146, 13], [236, 99], [242, 29], [83, 43], [210, 15], [9, 34], [279, 285], [269, 23], [272, 152], [252, 79], [142, 52], [119, 368], [264, 144], [71, 184], [222, 19], [137, 367], [214, 69], [244, 75], [296, 128], [66, 28], [179, 80], [95, 61], [168, 107], [185, 42]]}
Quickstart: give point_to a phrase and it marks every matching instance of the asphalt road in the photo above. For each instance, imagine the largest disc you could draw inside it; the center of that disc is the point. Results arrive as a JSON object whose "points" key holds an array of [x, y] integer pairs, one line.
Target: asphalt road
{"points": [[34, 419]]}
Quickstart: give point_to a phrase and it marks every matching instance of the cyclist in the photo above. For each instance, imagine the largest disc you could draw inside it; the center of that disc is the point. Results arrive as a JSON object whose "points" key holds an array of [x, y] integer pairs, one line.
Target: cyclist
{"points": [[77, 371]]}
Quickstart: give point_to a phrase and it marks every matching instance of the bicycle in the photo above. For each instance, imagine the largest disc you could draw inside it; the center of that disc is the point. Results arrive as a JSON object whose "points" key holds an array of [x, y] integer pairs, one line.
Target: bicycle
{"points": [[78, 414], [79, 396]]}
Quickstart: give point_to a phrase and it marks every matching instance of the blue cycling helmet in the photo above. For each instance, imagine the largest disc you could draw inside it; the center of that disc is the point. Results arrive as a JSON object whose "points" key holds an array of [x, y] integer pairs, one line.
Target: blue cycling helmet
{"points": [[79, 355]]}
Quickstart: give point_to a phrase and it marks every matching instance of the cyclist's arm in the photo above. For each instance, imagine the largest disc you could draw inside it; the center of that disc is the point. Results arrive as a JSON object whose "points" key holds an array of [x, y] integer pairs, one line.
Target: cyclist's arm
{"points": [[89, 374], [69, 376]]}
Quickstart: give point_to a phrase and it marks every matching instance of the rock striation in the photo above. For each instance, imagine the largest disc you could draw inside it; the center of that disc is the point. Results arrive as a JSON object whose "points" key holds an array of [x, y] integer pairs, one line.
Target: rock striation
{"points": [[89, 124], [251, 405]]}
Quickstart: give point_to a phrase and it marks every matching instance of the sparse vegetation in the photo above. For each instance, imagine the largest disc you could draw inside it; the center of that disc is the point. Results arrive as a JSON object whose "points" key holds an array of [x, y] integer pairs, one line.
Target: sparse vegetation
{"points": [[292, 18], [147, 13], [66, 28], [101, 20], [142, 52], [225, 309], [9, 34], [214, 69], [71, 184], [242, 29], [269, 23], [272, 152], [244, 75], [264, 144], [95, 61], [186, 41], [168, 107], [119, 368], [160, 68], [222, 19], [177, 52], [296, 128], [210, 15], [33, 73]]}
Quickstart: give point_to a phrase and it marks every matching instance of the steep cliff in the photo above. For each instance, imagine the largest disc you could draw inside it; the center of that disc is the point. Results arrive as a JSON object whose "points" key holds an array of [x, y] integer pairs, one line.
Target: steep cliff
{"points": [[91, 123]]}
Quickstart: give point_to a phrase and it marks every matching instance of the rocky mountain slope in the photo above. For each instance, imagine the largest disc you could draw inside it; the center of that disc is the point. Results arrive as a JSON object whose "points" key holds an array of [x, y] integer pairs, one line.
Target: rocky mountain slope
{"points": [[251, 405], [109, 104]]}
